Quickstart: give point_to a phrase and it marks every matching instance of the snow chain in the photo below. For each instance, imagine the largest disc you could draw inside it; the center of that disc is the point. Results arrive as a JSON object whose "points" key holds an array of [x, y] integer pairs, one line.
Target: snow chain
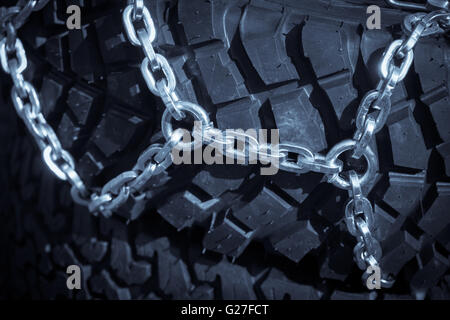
{"points": [[159, 76]]}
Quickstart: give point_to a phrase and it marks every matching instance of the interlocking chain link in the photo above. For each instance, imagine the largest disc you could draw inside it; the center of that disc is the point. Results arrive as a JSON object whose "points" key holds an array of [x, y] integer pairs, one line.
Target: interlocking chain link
{"points": [[26, 101], [371, 117], [359, 220], [159, 76]]}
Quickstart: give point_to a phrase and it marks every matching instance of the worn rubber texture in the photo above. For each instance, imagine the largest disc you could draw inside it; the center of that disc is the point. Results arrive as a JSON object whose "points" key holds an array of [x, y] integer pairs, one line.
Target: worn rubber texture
{"points": [[225, 232]]}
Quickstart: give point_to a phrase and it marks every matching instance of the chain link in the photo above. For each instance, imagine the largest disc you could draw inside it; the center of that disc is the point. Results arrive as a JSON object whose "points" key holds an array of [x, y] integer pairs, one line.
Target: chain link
{"points": [[26, 100], [360, 220]]}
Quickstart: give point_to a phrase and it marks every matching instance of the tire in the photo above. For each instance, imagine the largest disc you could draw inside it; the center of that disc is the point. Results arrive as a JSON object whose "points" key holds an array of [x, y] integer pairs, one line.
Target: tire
{"points": [[225, 232]]}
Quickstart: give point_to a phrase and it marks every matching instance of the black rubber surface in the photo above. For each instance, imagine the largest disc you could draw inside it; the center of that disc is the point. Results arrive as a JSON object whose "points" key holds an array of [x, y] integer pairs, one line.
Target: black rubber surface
{"points": [[225, 232]]}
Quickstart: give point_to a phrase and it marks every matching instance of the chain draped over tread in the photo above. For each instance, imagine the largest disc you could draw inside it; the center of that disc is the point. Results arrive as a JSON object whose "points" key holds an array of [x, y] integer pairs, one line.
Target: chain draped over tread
{"points": [[159, 76]]}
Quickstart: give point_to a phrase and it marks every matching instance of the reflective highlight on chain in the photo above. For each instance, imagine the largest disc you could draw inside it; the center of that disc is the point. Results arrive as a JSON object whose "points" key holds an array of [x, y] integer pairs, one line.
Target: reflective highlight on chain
{"points": [[26, 102]]}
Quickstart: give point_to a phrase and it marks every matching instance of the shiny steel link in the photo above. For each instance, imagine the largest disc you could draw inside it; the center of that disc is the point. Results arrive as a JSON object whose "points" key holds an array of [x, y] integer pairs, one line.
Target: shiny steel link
{"points": [[364, 136], [27, 104], [407, 5], [170, 81], [129, 27], [18, 79], [338, 150], [20, 56], [116, 192], [148, 49], [399, 73], [302, 154], [144, 38], [18, 14], [58, 164], [138, 10], [359, 220], [379, 100], [196, 111]]}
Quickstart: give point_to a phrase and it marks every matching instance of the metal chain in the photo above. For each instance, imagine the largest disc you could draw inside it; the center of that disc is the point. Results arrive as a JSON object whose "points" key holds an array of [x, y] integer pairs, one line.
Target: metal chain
{"points": [[159, 76], [26, 101], [359, 220]]}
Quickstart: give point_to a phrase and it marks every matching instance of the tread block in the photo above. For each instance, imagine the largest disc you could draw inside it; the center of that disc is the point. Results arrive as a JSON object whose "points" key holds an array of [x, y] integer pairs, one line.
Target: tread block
{"points": [[54, 52], [444, 151], [444, 237], [68, 132], [227, 236], [210, 27], [94, 250], [223, 80], [129, 86], [404, 193], [203, 22], [237, 283], [297, 187], [263, 33], [277, 287], [113, 42], [182, 209], [433, 263], [337, 263], [266, 209], [343, 295], [185, 85], [147, 247], [173, 275], [85, 59], [340, 90], [436, 217], [241, 114], [386, 222], [51, 91], [213, 181], [128, 270], [438, 101], [103, 284], [133, 207], [398, 249], [116, 130], [89, 166], [296, 240], [430, 62], [203, 292], [332, 48], [408, 146], [82, 103], [298, 121]]}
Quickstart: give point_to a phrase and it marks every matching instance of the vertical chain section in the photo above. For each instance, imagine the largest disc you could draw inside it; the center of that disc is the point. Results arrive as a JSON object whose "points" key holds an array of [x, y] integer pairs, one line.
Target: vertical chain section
{"points": [[359, 220], [26, 101], [371, 117], [159, 76]]}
